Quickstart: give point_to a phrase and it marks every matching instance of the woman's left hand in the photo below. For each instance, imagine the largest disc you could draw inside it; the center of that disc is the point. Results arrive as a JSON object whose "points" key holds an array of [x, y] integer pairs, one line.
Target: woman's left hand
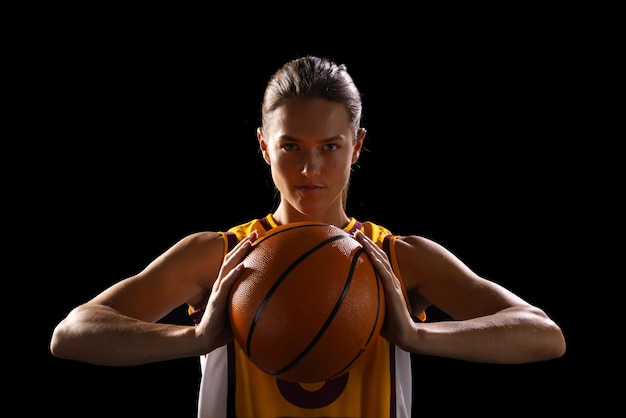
{"points": [[398, 325]]}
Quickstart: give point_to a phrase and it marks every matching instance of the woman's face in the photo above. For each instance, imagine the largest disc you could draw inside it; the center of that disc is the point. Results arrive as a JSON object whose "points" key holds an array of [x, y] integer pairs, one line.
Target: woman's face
{"points": [[310, 147]]}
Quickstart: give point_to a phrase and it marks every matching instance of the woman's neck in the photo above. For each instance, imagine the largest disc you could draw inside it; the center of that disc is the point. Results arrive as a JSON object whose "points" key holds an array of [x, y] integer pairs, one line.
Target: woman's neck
{"points": [[285, 214]]}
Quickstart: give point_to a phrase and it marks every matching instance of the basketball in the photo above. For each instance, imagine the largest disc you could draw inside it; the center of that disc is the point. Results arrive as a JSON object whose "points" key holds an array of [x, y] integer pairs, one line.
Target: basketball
{"points": [[307, 304]]}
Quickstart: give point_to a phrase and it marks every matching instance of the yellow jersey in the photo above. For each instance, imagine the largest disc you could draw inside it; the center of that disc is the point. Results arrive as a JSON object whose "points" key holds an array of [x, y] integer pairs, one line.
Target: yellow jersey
{"points": [[379, 385]]}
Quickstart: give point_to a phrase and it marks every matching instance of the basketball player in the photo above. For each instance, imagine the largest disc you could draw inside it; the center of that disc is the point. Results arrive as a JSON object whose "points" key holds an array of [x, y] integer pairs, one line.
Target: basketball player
{"points": [[310, 136]]}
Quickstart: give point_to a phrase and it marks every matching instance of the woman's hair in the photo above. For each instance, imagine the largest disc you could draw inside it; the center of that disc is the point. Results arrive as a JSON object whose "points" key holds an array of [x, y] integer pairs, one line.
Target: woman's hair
{"points": [[313, 77]]}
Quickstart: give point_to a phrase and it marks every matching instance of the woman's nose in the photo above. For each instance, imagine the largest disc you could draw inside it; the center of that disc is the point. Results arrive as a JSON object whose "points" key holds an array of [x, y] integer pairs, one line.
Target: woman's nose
{"points": [[311, 163]]}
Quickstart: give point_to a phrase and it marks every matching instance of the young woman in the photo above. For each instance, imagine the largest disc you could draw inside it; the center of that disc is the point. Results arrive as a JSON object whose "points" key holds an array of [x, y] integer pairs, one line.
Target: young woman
{"points": [[310, 137]]}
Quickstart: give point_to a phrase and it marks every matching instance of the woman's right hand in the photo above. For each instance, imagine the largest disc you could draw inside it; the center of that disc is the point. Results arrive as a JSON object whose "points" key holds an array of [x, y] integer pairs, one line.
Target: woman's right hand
{"points": [[214, 326]]}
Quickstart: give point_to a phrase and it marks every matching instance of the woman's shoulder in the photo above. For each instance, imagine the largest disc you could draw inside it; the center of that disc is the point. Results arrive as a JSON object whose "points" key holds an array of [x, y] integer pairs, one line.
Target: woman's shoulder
{"points": [[218, 239], [196, 245], [378, 232]]}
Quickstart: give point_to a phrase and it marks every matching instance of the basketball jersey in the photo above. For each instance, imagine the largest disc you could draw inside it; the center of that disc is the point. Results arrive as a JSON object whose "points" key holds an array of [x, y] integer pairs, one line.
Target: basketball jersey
{"points": [[379, 385]]}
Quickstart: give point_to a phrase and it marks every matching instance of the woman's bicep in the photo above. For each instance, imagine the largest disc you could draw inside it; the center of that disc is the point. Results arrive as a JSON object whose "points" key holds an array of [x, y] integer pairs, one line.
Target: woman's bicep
{"points": [[437, 277], [183, 274]]}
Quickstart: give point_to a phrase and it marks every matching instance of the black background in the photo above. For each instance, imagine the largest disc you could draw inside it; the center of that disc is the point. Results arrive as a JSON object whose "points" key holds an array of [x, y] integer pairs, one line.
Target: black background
{"points": [[146, 133]]}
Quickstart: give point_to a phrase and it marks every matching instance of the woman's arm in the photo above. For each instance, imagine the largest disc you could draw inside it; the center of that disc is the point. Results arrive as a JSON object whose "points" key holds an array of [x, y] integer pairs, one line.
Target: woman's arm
{"points": [[489, 323], [119, 326]]}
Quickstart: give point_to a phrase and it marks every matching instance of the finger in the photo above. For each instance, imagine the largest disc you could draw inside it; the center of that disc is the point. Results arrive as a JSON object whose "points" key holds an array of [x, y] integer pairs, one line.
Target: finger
{"points": [[239, 251], [376, 254], [380, 261], [246, 242], [233, 260], [229, 279], [369, 245]]}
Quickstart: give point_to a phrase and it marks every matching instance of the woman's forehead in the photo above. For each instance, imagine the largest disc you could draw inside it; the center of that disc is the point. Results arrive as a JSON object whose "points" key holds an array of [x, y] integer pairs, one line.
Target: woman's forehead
{"points": [[300, 114]]}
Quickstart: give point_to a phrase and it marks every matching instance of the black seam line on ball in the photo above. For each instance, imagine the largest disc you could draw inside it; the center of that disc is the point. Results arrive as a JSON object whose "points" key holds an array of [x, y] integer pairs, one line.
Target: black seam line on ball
{"points": [[378, 313], [277, 283], [331, 316]]}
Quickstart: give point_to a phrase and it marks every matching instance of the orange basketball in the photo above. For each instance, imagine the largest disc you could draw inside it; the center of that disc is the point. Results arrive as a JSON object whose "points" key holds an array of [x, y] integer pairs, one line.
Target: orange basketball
{"points": [[308, 303]]}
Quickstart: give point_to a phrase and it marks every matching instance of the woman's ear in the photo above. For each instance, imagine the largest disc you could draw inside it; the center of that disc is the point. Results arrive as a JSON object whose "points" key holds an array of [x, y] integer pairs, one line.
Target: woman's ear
{"points": [[358, 144], [262, 145]]}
